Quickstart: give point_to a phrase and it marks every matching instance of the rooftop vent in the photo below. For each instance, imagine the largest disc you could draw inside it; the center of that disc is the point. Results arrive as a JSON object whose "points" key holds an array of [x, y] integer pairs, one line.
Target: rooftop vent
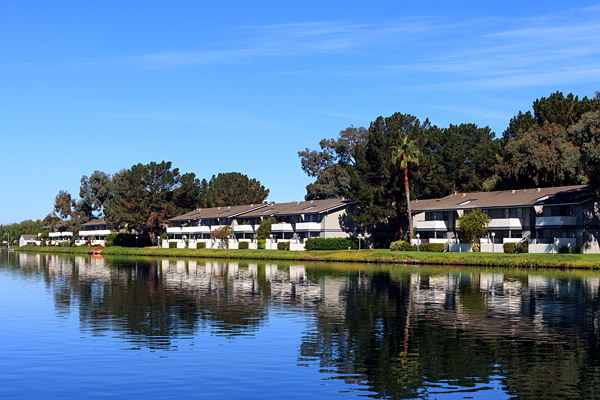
{"points": [[537, 189], [512, 192], [464, 202]]}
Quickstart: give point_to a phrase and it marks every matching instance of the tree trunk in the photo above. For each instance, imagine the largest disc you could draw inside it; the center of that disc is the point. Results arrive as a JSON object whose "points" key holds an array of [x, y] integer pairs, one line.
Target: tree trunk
{"points": [[408, 210]]}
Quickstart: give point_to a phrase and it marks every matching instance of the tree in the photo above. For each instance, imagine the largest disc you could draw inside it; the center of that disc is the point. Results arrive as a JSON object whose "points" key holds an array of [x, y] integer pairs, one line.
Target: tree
{"points": [[406, 152], [587, 133], [465, 156], [541, 157], [556, 109], [64, 204], [472, 226], [329, 166], [375, 182], [263, 231], [95, 193], [526, 163], [222, 234], [231, 189], [144, 198]]}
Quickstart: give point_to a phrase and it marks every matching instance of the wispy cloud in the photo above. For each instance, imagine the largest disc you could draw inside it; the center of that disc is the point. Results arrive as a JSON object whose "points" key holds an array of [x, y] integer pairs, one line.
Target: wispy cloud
{"points": [[155, 117]]}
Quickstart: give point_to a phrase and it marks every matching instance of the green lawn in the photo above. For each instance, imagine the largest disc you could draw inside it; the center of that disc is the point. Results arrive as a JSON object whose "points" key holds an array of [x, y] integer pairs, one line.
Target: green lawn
{"points": [[372, 256]]}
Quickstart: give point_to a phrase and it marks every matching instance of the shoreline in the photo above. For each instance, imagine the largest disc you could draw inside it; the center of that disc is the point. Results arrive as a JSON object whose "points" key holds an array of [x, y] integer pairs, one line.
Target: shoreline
{"points": [[379, 256]]}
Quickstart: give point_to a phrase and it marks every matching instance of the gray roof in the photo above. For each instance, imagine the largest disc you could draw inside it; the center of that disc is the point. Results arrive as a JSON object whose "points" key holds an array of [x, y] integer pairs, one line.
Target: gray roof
{"points": [[29, 237], [217, 212], [299, 207], [95, 222], [506, 198]]}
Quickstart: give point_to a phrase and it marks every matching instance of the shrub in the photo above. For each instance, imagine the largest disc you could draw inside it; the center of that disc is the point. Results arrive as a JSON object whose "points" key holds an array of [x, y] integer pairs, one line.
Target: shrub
{"points": [[110, 243], [509, 248], [401, 245], [283, 245], [164, 236], [262, 244], [200, 245], [565, 249], [331, 244], [578, 250], [523, 247], [243, 245], [430, 247], [172, 245]]}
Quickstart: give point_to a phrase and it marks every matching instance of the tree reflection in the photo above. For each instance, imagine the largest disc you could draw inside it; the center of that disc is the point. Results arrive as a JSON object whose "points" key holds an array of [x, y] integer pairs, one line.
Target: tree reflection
{"points": [[465, 332]]}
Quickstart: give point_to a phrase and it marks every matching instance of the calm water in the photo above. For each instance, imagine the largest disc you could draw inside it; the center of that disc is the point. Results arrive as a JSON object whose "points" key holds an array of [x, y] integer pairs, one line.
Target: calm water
{"points": [[84, 327]]}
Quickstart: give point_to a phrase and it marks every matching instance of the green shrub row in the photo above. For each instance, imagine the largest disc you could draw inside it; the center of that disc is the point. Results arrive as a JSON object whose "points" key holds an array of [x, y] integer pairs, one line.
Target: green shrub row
{"points": [[512, 248], [331, 244], [127, 240], [172, 245], [200, 245], [243, 245], [283, 245], [261, 243], [403, 245]]}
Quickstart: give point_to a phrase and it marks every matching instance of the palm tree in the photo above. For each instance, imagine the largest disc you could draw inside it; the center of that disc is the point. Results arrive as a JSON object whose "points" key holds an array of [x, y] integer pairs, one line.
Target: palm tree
{"points": [[407, 152]]}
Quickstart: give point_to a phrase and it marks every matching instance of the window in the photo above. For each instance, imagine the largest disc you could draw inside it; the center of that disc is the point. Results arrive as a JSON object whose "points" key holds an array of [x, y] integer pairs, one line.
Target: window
{"points": [[519, 213]]}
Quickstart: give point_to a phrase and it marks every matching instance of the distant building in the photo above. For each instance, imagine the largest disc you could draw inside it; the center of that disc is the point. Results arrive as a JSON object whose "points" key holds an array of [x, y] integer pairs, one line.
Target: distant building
{"points": [[547, 218]]}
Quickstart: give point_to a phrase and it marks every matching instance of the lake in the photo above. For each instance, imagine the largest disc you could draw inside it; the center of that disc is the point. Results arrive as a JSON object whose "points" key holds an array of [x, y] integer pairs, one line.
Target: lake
{"points": [[121, 327]]}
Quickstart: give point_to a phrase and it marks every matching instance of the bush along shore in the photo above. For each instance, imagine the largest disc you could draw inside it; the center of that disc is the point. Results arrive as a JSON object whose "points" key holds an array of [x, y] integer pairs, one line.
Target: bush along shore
{"points": [[524, 260]]}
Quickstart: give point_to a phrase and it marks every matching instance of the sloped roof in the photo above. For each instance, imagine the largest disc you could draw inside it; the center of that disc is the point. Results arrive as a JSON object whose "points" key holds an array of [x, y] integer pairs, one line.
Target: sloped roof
{"points": [[29, 237], [506, 198], [299, 207], [57, 225], [94, 222], [217, 212]]}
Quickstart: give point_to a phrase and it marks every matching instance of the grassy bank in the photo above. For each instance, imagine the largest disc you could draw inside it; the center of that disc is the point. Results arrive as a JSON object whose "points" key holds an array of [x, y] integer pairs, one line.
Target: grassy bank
{"points": [[366, 256]]}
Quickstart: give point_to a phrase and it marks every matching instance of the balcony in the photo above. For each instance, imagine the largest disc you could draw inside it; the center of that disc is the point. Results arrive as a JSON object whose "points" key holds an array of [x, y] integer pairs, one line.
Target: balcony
{"points": [[60, 234], [506, 223], [541, 222], [284, 227], [101, 232], [243, 229], [308, 227], [432, 226]]}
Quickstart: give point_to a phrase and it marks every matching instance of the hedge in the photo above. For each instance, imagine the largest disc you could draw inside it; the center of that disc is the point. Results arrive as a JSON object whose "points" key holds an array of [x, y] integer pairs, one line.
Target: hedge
{"points": [[403, 245], [331, 244], [510, 248], [200, 245], [243, 245], [172, 245], [283, 245], [262, 244], [523, 247]]}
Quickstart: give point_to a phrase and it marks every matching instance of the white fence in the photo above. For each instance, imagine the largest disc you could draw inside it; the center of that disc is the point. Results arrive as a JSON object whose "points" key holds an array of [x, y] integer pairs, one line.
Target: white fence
{"points": [[295, 245]]}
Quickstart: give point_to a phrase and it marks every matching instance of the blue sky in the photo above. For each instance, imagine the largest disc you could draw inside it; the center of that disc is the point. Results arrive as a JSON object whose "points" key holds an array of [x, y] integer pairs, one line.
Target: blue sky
{"points": [[236, 86]]}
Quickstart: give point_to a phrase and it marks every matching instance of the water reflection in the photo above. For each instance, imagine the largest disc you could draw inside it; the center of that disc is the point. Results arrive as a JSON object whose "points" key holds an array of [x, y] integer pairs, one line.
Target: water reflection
{"points": [[394, 332]]}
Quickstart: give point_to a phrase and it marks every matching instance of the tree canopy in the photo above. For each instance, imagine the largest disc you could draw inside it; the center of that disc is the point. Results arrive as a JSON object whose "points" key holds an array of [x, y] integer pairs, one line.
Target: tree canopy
{"points": [[472, 226], [587, 134], [231, 189], [145, 197], [329, 166]]}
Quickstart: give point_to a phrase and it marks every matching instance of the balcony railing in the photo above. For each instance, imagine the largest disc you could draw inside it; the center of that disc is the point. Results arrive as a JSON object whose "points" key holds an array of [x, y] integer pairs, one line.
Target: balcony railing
{"points": [[308, 227], [243, 229], [541, 222], [102, 232], [506, 223], [432, 225], [284, 227]]}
